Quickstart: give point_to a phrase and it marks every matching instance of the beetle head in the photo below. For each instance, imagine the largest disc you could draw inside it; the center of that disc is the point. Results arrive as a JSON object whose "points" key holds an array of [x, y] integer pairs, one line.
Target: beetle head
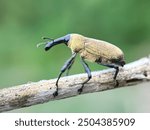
{"points": [[57, 41]]}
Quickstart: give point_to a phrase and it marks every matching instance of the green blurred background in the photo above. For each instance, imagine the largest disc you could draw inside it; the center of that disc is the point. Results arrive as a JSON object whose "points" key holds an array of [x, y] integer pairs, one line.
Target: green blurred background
{"points": [[126, 23]]}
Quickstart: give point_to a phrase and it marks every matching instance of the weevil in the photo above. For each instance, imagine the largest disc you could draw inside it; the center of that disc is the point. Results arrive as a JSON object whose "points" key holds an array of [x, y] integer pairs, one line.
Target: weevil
{"points": [[89, 49]]}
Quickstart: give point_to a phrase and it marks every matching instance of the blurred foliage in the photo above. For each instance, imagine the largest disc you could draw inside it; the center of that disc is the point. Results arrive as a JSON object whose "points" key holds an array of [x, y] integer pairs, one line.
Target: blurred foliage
{"points": [[124, 23]]}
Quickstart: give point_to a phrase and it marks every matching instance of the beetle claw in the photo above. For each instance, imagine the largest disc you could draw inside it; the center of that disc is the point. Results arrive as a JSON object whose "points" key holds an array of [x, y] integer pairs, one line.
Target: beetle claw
{"points": [[55, 93], [80, 90], [116, 83]]}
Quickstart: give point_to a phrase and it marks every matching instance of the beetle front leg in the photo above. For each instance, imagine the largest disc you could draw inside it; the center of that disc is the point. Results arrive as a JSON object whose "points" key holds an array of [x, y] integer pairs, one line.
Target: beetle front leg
{"points": [[87, 70], [69, 67], [66, 65]]}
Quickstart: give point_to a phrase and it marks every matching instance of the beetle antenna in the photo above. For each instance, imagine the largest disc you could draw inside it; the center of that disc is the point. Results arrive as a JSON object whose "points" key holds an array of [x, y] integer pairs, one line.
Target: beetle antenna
{"points": [[39, 44], [43, 43], [48, 38]]}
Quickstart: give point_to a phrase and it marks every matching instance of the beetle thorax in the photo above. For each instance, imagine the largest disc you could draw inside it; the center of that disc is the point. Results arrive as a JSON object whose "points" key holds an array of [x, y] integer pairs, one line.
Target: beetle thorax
{"points": [[76, 42]]}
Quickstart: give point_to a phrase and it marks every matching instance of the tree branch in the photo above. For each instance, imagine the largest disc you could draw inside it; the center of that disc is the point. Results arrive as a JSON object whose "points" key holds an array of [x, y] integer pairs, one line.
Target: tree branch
{"points": [[39, 92]]}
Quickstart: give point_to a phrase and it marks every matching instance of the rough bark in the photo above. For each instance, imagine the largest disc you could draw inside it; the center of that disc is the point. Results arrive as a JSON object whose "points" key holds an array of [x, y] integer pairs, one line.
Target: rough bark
{"points": [[39, 92]]}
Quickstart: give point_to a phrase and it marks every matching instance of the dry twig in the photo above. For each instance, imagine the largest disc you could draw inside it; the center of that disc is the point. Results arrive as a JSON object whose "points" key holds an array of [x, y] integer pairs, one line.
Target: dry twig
{"points": [[39, 92]]}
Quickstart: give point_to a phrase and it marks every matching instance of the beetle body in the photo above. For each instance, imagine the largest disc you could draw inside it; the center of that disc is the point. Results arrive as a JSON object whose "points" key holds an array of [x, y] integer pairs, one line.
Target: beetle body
{"points": [[96, 50], [89, 49]]}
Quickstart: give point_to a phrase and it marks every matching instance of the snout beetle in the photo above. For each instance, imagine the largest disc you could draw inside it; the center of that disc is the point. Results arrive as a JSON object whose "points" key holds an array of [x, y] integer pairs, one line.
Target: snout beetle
{"points": [[89, 49]]}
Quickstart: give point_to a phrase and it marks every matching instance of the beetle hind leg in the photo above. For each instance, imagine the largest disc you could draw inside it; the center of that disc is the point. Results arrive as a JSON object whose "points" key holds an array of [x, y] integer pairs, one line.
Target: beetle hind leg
{"points": [[87, 70], [116, 73], [115, 76], [115, 67]]}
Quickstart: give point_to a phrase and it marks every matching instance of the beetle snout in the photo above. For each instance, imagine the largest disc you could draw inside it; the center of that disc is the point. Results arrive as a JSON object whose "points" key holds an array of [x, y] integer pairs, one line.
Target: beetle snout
{"points": [[49, 45], [57, 41]]}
